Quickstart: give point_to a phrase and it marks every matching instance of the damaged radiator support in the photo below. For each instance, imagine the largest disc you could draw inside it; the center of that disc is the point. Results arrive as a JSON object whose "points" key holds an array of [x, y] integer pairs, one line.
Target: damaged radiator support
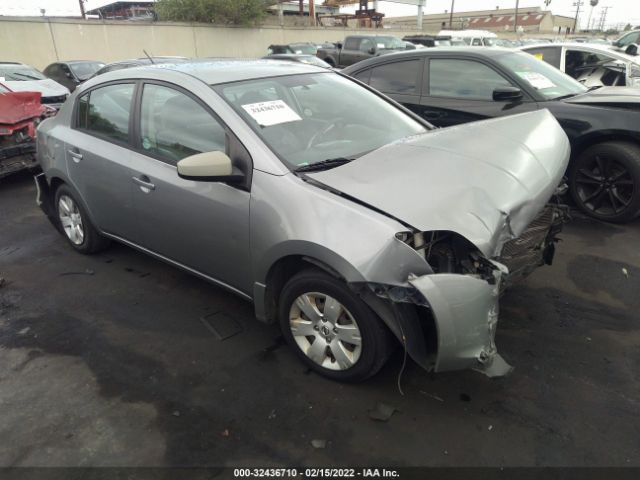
{"points": [[535, 246]]}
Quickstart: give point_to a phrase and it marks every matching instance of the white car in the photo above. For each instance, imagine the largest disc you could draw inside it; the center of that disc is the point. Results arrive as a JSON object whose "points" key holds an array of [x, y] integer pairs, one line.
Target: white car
{"points": [[24, 78], [591, 64]]}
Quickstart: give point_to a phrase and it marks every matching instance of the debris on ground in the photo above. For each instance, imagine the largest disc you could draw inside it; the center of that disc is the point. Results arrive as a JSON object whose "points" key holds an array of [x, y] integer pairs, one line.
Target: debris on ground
{"points": [[24, 331], [382, 412], [175, 413], [225, 432], [490, 427], [319, 443], [430, 395], [88, 271]]}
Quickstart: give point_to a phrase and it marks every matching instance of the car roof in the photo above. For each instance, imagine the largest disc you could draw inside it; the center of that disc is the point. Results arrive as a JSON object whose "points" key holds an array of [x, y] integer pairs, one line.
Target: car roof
{"points": [[433, 52], [219, 71]]}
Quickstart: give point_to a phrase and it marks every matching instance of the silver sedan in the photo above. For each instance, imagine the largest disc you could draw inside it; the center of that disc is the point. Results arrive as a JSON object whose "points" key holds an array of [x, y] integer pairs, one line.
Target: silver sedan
{"points": [[338, 213]]}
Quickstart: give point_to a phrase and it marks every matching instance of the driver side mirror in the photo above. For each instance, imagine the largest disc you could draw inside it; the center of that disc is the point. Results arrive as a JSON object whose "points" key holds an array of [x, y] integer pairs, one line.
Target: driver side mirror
{"points": [[507, 94], [372, 50], [632, 50], [209, 167]]}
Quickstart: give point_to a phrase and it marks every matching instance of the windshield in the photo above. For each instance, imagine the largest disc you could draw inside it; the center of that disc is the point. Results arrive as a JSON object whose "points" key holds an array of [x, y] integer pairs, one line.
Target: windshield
{"points": [[389, 43], [304, 48], [85, 69], [548, 81], [294, 117], [18, 73]]}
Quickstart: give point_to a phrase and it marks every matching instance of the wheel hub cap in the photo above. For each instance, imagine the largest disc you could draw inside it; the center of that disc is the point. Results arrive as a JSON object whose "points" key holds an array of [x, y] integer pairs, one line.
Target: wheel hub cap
{"points": [[604, 186], [325, 331], [70, 219]]}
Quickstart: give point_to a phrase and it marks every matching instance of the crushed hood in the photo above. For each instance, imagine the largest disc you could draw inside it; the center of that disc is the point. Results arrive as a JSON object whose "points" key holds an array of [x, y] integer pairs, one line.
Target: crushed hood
{"points": [[485, 181], [607, 96], [47, 87], [16, 107]]}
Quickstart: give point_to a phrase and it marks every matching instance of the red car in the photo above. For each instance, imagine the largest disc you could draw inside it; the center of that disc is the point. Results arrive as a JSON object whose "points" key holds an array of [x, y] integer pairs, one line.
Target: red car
{"points": [[20, 113]]}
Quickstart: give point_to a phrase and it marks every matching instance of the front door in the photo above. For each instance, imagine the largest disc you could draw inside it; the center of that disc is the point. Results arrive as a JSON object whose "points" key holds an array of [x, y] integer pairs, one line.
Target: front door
{"points": [[201, 225], [461, 90]]}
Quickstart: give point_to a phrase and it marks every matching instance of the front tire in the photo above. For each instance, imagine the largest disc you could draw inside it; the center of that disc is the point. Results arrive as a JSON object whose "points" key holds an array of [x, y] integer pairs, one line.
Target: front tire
{"points": [[331, 329], [605, 181], [74, 223]]}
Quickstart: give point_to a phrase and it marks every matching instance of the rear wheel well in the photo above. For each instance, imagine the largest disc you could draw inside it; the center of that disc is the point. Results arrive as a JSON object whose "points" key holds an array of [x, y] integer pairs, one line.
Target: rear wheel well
{"points": [[281, 271]]}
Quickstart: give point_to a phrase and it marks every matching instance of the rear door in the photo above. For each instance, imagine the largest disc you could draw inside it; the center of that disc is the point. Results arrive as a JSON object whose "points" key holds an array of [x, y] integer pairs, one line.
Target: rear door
{"points": [[200, 225], [460, 90], [400, 80], [99, 157], [350, 52]]}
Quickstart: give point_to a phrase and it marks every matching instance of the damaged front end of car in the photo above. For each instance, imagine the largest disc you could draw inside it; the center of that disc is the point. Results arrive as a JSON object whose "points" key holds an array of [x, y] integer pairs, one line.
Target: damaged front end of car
{"points": [[447, 320]]}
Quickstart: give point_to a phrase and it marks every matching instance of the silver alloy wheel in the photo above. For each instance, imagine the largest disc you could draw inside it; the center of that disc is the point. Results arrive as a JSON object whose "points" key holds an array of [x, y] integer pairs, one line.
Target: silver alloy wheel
{"points": [[71, 219], [325, 331]]}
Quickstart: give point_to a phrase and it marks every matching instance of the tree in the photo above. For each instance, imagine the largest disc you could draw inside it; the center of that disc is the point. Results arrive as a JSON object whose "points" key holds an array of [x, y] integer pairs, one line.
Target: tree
{"points": [[627, 27], [236, 12]]}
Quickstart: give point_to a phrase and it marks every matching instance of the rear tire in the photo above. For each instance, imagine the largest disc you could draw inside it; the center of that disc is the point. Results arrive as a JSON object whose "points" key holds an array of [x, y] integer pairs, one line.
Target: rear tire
{"points": [[605, 181], [74, 223], [320, 317]]}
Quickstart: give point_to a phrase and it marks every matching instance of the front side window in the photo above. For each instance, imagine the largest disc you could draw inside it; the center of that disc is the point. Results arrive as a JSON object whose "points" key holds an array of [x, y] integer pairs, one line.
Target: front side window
{"points": [[303, 128], [352, 43], [105, 111], [477, 83], [174, 126], [396, 77]]}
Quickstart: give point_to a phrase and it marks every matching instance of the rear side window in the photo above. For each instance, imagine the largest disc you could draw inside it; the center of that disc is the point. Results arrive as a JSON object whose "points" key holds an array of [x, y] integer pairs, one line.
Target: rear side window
{"points": [[476, 83], [551, 55], [174, 126], [352, 43], [396, 77], [105, 111]]}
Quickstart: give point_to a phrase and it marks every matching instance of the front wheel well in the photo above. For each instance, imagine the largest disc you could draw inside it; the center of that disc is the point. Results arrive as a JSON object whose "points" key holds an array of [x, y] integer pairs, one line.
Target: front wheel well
{"points": [[281, 271]]}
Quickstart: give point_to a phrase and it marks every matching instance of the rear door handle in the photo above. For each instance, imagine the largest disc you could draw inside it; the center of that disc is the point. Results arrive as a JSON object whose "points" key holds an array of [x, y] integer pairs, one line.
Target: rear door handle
{"points": [[75, 154], [145, 184]]}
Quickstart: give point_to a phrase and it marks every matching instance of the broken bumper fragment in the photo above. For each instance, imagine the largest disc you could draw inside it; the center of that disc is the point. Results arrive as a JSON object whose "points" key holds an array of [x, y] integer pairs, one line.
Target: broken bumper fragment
{"points": [[465, 311]]}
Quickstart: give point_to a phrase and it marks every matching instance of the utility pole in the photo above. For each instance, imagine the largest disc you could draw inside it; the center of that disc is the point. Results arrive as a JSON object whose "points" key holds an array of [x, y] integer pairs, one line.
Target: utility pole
{"points": [[82, 12], [515, 17], [594, 3], [453, 3], [312, 14], [577, 4], [603, 17]]}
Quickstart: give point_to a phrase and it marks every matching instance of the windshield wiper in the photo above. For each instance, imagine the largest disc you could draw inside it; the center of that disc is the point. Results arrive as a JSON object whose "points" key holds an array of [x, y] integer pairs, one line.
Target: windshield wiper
{"points": [[324, 164], [562, 97], [25, 76]]}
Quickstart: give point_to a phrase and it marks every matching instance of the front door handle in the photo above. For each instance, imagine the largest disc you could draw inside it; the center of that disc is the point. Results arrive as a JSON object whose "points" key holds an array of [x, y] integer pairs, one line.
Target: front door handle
{"points": [[75, 154], [145, 185]]}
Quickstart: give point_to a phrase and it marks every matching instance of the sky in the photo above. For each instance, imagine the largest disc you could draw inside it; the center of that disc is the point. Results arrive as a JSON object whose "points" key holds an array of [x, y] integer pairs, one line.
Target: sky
{"points": [[621, 11]]}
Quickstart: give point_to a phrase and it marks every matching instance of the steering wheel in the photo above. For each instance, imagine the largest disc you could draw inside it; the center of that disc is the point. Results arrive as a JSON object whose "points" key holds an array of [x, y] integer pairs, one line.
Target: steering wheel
{"points": [[313, 141]]}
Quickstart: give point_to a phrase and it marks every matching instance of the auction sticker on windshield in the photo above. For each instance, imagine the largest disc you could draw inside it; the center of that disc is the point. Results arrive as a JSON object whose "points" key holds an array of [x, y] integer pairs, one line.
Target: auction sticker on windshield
{"points": [[537, 80], [271, 113]]}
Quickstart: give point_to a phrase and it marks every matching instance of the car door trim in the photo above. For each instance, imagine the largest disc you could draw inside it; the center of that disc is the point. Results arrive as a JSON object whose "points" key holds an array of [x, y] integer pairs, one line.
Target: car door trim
{"points": [[168, 260]]}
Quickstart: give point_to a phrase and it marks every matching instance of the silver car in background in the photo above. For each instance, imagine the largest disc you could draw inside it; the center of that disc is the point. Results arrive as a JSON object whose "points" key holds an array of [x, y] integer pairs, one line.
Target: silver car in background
{"points": [[337, 212]]}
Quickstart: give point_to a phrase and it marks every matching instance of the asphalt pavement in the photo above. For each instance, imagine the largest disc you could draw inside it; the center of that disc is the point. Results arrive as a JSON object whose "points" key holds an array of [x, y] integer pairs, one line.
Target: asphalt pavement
{"points": [[106, 360]]}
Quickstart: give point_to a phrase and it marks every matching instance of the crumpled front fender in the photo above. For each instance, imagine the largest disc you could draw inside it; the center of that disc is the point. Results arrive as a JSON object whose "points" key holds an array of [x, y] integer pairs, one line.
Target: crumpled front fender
{"points": [[465, 310]]}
